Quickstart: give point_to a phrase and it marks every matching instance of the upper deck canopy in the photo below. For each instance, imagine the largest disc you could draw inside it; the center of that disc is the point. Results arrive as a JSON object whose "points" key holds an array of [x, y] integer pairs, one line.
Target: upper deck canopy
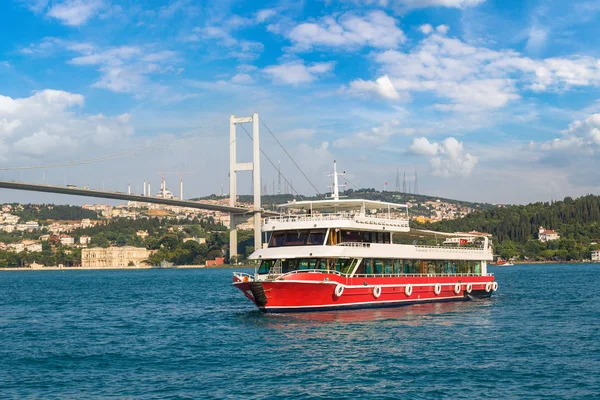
{"points": [[342, 205]]}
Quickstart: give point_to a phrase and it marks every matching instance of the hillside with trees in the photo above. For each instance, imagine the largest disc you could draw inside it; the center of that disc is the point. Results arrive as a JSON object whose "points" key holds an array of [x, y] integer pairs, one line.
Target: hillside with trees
{"points": [[40, 212], [271, 201], [515, 228]]}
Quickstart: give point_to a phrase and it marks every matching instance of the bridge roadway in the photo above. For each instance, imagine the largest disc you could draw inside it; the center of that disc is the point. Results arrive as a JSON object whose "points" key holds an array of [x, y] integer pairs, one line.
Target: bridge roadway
{"points": [[75, 191]]}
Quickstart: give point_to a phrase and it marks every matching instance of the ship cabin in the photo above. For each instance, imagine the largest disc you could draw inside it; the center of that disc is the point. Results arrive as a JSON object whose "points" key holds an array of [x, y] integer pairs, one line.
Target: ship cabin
{"points": [[356, 238]]}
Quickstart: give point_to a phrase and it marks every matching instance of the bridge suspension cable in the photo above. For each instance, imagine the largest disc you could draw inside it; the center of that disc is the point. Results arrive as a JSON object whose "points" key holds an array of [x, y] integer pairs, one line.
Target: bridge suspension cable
{"points": [[291, 158], [272, 163], [160, 145], [347, 180]]}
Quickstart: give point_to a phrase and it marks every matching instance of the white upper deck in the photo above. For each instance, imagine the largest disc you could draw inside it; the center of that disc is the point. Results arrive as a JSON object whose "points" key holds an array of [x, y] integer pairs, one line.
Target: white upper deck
{"points": [[366, 215]]}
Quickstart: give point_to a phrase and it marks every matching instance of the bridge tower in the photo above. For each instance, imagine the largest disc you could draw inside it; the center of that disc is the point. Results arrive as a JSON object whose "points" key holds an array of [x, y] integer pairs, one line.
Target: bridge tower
{"points": [[234, 167]]}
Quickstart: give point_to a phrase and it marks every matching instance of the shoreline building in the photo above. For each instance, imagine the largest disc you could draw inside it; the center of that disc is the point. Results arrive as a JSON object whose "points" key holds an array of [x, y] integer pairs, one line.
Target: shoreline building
{"points": [[547, 235], [127, 256], [596, 255]]}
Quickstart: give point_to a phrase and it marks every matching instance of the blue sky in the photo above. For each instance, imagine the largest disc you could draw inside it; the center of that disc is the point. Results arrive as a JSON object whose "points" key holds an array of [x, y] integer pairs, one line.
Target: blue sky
{"points": [[487, 100]]}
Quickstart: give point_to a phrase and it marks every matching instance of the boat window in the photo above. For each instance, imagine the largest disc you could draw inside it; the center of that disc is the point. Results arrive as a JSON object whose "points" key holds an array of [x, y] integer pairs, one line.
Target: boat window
{"points": [[288, 265], [378, 267], [277, 239], [307, 263], [352, 236], [361, 270], [316, 237], [265, 266], [388, 266], [298, 237], [365, 237]]}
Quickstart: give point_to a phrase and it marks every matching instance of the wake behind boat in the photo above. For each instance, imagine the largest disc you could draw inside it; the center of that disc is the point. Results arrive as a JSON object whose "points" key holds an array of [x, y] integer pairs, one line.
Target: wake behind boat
{"points": [[349, 253]]}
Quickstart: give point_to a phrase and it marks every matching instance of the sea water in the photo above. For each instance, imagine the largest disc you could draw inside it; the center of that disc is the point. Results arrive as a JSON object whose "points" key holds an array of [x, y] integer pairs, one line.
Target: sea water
{"points": [[189, 334]]}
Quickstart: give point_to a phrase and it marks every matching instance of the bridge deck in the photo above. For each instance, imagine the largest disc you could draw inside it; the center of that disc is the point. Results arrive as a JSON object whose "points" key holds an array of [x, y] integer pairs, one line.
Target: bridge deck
{"points": [[74, 191]]}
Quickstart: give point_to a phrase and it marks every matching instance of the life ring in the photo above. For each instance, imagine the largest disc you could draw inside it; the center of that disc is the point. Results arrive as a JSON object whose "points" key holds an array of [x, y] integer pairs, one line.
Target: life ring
{"points": [[469, 287], [339, 290], [457, 288], [408, 290], [495, 286], [488, 287], [437, 289], [377, 291]]}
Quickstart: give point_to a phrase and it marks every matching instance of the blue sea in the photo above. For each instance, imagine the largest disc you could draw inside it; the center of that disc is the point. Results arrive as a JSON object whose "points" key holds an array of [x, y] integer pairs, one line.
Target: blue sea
{"points": [[182, 334]]}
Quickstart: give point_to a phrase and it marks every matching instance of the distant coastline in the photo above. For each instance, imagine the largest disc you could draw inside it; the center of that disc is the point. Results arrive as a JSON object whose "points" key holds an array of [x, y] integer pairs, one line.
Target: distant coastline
{"points": [[121, 268]]}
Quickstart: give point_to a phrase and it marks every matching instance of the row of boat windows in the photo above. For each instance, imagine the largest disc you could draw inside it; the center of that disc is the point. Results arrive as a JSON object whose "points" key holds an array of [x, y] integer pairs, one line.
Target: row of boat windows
{"points": [[301, 237], [294, 264], [309, 237], [372, 266]]}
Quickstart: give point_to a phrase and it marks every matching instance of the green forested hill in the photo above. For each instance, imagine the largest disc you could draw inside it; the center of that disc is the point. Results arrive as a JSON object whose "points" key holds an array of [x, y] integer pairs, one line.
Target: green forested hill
{"points": [[28, 212], [515, 227], [577, 219]]}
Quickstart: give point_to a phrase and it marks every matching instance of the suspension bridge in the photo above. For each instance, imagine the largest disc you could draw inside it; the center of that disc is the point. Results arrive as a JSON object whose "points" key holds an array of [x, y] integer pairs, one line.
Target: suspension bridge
{"points": [[238, 214]]}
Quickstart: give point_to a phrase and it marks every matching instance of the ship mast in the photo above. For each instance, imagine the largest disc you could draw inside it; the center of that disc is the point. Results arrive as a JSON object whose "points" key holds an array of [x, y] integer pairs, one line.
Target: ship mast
{"points": [[336, 187]]}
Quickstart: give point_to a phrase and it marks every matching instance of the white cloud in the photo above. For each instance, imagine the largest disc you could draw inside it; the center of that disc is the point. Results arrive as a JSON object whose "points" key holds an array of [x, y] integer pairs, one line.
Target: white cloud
{"points": [[424, 147], [439, 3], [402, 4], [221, 37], [442, 29], [295, 73], [243, 79], [471, 78], [581, 135], [41, 143], [8, 126], [382, 87], [376, 29], [447, 158], [376, 136], [47, 126], [536, 39], [426, 29], [126, 69], [76, 12], [263, 15]]}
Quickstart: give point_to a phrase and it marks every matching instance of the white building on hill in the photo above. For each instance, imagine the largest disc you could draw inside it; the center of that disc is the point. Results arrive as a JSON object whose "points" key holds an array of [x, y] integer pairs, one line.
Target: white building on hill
{"points": [[546, 235]]}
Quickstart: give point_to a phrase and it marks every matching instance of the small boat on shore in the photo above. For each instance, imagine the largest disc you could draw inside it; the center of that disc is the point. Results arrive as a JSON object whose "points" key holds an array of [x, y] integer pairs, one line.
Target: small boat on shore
{"points": [[503, 263]]}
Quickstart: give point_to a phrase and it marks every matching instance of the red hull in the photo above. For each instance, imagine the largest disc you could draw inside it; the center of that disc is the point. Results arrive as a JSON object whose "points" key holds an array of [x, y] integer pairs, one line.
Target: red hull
{"points": [[311, 291]]}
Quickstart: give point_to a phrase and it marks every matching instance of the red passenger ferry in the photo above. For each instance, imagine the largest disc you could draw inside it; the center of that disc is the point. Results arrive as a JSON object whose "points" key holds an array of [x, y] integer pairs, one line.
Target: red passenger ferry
{"points": [[347, 253]]}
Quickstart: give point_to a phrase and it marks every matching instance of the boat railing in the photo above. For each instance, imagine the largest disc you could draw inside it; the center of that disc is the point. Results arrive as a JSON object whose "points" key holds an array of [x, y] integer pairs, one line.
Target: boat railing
{"points": [[362, 219], [449, 249], [242, 275], [354, 244], [420, 247]]}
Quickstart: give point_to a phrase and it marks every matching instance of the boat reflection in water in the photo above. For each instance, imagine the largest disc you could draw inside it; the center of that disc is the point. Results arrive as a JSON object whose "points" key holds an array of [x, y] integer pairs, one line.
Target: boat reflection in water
{"points": [[414, 315]]}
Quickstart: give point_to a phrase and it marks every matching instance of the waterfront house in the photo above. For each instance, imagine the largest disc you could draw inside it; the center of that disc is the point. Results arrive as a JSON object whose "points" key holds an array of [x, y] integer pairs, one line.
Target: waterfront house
{"points": [[547, 235]]}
